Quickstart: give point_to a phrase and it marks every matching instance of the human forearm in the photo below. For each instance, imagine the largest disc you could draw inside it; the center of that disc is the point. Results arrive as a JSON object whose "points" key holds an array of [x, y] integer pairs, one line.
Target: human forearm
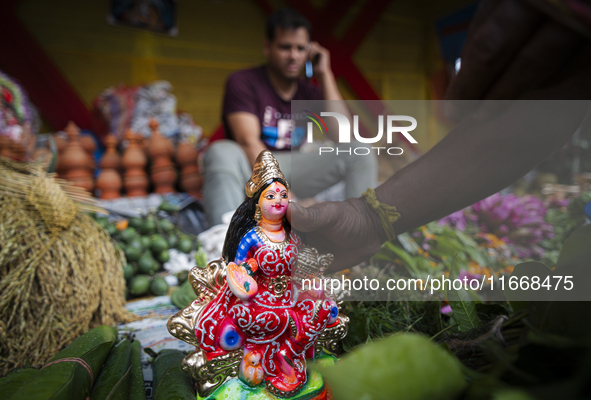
{"points": [[477, 159], [328, 84], [247, 133], [252, 149]]}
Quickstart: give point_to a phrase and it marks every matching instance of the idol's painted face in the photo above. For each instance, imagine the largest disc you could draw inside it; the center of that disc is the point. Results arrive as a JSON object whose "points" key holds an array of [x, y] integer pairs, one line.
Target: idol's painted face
{"points": [[273, 202]]}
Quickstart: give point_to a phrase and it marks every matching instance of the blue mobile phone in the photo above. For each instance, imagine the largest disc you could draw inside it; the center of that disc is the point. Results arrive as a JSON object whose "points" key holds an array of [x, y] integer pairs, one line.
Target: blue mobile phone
{"points": [[309, 69]]}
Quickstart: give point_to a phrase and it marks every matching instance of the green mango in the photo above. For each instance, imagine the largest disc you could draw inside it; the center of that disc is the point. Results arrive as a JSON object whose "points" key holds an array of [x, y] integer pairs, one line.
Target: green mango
{"points": [[168, 208], [159, 287], [139, 285]]}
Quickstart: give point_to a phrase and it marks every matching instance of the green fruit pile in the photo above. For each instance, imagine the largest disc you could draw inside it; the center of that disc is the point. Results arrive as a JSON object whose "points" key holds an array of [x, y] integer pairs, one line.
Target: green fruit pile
{"points": [[146, 242]]}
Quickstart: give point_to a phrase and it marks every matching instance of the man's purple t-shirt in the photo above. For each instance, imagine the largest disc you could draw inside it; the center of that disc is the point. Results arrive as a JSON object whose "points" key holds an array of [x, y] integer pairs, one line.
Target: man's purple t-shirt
{"points": [[250, 91]]}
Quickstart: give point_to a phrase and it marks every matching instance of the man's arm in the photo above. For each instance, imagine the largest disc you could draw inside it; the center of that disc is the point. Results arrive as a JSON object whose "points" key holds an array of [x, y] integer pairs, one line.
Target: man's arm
{"points": [[247, 132], [323, 72], [328, 85]]}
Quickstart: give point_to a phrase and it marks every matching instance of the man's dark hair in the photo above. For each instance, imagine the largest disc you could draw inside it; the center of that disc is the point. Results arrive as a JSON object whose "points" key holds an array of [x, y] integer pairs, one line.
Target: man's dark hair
{"points": [[286, 18]]}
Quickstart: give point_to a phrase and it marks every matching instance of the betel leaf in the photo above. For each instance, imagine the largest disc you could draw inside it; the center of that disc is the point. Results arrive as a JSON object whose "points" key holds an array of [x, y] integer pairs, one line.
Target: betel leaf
{"points": [[68, 379], [462, 305], [160, 365], [114, 374], [136, 386], [64, 380], [397, 367], [175, 384], [13, 381]]}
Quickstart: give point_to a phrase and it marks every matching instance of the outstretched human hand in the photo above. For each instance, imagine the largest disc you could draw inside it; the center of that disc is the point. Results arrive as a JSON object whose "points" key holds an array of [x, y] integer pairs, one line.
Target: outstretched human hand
{"points": [[512, 51], [349, 230]]}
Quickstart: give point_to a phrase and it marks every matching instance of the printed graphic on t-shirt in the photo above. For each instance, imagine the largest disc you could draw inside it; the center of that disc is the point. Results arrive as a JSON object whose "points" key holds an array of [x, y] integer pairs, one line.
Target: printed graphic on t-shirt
{"points": [[277, 130]]}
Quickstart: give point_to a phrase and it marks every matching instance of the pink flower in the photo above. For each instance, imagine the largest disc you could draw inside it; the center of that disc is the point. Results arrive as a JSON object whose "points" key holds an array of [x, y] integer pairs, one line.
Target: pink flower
{"points": [[518, 221]]}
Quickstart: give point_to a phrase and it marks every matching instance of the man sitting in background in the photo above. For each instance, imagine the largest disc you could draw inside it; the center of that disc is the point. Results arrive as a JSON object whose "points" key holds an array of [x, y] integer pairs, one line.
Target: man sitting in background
{"points": [[257, 116]]}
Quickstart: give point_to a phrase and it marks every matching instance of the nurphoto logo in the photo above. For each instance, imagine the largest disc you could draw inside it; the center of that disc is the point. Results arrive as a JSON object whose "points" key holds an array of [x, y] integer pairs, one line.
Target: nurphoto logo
{"points": [[392, 127]]}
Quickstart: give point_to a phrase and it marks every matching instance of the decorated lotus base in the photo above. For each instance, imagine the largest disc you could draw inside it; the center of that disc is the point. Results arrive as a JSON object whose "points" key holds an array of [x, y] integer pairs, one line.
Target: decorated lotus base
{"points": [[314, 389]]}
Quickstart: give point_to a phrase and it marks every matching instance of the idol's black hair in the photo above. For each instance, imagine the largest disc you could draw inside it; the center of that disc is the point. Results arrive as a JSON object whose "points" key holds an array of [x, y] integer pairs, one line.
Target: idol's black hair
{"points": [[243, 221], [286, 18]]}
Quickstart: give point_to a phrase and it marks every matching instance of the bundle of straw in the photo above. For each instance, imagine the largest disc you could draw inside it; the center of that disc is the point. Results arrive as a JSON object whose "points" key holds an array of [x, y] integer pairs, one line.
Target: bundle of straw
{"points": [[60, 273]]}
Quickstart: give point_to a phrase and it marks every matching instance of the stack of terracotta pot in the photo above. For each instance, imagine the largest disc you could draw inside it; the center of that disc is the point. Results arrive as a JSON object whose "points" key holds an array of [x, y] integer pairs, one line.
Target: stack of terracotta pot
{"points": [[161, 150], [128, 172], [76, 164], [109, 181], [186, 158], [134, 160]]}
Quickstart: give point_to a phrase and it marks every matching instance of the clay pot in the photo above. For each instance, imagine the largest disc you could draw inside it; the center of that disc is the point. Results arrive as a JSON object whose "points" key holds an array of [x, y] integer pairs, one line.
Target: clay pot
{"points": [[136, 183], [74, 157], [186, 154], [111, 159], [163, 179], [88, 144], [81, 178], [192, 185], [161, 162], [159, 146], [109, 183], [133, 157]]}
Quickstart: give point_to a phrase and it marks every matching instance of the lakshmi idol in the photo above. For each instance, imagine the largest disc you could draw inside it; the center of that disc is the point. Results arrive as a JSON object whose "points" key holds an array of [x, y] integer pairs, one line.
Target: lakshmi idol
{"points": [[255, 316]]}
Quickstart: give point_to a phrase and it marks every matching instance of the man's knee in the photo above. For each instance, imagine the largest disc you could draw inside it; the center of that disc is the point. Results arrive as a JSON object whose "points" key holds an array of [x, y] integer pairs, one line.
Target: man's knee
{"points": [[362, 156], [224, 153]]}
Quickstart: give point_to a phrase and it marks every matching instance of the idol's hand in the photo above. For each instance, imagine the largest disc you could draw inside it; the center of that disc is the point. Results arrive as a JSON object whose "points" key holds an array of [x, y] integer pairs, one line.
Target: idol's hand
{"points": [[240, 282], [350, 230], [514, 51]]}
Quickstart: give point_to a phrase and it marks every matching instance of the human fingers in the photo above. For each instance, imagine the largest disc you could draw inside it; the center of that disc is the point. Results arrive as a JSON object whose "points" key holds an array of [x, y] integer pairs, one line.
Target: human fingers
{"points": [[483, 12], [314, 49], [546, 53], [572, 83], [308, 219], [490, 48]]}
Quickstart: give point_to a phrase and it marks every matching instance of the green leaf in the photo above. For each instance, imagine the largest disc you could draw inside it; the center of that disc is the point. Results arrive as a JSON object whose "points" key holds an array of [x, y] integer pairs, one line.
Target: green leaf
{"points": [[70, 380], [114, 374], [13, 381], [462, 305], [408, 260], [408, 243], [175, 384], [136, 386], [184, 295], [162, 363]]}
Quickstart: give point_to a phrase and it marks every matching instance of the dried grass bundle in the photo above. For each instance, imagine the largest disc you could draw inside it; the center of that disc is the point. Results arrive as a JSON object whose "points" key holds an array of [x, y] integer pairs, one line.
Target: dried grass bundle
{"points": [[60, 273]]}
